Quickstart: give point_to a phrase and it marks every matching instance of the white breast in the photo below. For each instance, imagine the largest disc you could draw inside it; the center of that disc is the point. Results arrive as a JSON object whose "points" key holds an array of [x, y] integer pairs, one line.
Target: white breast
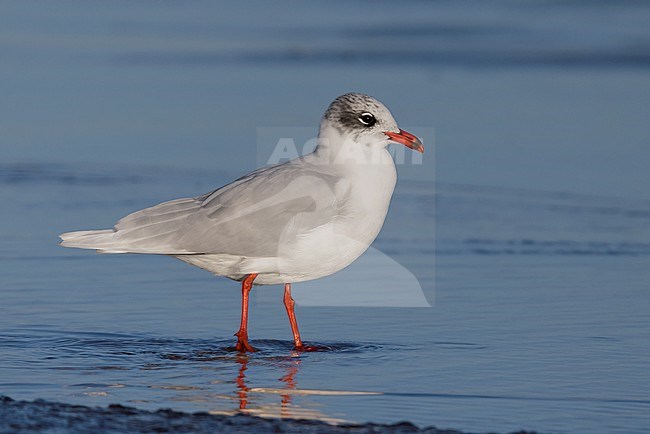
{"points": [[364, 195]]}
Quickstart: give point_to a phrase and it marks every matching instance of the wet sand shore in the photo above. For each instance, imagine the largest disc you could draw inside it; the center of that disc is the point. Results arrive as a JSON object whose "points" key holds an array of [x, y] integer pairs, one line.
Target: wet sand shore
{"points": [[48, 417]]}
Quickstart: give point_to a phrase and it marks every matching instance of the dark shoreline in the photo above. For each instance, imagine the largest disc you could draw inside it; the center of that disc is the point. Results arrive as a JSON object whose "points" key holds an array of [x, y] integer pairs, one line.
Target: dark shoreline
{"points": [[44, 416]]}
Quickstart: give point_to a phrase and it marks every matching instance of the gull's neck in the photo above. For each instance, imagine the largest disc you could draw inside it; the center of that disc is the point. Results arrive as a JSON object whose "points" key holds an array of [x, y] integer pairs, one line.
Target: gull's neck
{"points": [[342, 151], [369, 172]]}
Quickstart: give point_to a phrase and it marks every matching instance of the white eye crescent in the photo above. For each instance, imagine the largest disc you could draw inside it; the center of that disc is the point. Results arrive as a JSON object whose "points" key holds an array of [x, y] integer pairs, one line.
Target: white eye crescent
{"points": [[367, 119]]}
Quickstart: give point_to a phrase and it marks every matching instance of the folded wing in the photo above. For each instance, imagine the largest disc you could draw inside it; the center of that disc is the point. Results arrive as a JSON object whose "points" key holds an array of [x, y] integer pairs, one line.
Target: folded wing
{"points": [[254, 216]]}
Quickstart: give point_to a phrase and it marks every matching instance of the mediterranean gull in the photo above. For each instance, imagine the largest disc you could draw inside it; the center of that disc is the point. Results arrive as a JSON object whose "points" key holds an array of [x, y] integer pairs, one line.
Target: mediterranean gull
{"points": [[296, 221]]}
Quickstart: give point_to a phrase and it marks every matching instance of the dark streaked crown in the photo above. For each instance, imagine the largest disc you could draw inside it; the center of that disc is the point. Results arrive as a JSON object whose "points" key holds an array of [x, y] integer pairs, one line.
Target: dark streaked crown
{"points": [[346, 111]]}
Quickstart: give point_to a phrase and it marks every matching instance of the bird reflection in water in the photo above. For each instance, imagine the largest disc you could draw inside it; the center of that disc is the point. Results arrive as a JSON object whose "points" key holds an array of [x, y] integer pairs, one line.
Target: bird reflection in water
{"points": [[242, 359], [289, 379], [259, 401], [252, 399]]}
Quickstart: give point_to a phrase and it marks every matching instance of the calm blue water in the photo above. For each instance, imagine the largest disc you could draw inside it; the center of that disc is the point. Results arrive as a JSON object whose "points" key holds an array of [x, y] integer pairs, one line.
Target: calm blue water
{"points": [[530, 239]]}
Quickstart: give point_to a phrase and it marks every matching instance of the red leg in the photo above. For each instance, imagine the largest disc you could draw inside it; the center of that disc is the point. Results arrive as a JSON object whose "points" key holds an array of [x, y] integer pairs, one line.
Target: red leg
{"points": [[289, 304], [242, 334]]}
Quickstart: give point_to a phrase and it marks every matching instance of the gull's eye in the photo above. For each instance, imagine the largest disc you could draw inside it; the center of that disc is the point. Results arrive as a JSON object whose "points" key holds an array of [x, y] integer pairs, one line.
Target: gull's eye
{"points": [[367, 119]]}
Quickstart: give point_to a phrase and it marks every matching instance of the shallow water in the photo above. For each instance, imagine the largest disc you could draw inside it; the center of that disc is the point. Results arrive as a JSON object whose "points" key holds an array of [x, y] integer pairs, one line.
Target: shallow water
{"points": [[544, 328], [531, 243]]}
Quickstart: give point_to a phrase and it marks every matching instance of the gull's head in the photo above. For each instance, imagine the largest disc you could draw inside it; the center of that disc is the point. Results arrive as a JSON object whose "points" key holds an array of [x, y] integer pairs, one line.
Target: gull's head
{"points": [[364, 121]]}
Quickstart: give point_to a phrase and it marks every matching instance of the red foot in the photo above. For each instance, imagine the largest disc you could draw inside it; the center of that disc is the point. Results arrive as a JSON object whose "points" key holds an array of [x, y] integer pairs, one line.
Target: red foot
{"points": [[242, 342], [309, 348]]}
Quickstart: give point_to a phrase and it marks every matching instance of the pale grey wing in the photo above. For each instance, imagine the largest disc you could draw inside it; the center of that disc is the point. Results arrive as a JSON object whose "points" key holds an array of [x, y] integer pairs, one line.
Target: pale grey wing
{"points": [[250, 217], [154, 230], [259, 214], [150, 230]]}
